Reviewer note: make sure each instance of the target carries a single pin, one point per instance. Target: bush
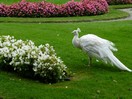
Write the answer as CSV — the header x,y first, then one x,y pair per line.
x,y
93,7
22,9
32,61
30,9
116,2
3,10
72,8
46,9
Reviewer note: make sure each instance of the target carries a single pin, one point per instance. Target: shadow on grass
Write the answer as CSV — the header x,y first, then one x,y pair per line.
x,y
104,67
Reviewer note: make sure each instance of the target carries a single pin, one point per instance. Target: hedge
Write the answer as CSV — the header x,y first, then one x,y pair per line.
x,y
46,9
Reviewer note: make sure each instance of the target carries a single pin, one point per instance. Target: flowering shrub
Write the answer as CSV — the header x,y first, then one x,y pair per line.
x,y
112,2
46,9
22,9
93,7
26,58
29,9
72,8
3,10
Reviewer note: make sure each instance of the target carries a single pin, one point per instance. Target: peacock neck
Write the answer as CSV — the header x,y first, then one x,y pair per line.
x,y
76,41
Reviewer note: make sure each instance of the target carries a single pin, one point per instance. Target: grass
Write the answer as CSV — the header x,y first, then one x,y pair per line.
x,y
97,82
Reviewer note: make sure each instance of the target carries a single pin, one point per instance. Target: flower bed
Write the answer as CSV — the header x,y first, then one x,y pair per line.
x,y
29,60
46,9
116,2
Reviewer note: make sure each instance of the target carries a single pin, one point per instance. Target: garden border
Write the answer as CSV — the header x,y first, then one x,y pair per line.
x,y
124,10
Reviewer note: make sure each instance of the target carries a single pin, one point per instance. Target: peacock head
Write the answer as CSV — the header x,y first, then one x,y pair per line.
x,y
75,32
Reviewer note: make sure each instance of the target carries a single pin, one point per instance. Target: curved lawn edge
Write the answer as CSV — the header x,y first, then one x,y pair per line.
x,y
114,13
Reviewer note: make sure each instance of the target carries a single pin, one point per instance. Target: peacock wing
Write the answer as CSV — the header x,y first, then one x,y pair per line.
x,y
96,46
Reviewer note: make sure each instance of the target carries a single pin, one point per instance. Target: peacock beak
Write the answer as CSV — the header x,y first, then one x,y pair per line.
x,y
73,32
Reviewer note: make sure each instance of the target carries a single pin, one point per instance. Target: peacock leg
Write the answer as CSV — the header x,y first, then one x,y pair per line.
x,y
90,61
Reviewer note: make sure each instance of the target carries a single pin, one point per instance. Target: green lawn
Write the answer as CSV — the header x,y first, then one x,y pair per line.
x,y
98,82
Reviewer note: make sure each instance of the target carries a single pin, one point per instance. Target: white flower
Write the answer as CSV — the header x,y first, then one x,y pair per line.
x,y
6,43
35,69
27,63
26,47
13,40
33,52
45,57
35,64
50,68
14,54
40,46
6,50
17,63
47,45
